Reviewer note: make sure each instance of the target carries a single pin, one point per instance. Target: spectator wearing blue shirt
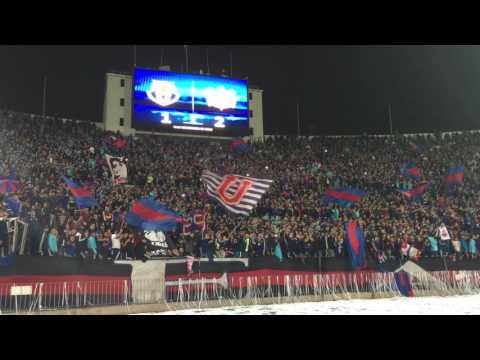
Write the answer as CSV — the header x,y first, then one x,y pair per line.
x,y
53,242
92,245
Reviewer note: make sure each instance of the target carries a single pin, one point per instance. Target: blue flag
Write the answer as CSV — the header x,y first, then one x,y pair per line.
x,y
355,245
150,215
83,197
345,197
404,283
13,204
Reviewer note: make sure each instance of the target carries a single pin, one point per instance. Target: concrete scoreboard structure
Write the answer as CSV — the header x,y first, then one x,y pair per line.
x,y
117,108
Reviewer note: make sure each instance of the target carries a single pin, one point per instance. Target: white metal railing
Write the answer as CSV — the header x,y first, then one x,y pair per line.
x,y
36,297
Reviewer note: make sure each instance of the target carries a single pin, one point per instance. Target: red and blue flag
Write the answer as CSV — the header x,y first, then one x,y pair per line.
x,y
355,245
404,283
8,186
345,197
411,170
238,146
455,175
83,196
416,191
150,215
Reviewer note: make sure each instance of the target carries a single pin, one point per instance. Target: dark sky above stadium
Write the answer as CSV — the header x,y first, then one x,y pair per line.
x,y
342,89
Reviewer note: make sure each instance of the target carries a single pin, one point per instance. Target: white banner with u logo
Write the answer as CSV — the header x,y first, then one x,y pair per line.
x,y
238,194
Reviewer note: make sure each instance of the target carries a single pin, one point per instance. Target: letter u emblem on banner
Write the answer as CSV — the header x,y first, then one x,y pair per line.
x,y
228,181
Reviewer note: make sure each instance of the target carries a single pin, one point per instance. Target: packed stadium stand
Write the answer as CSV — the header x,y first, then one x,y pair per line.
x,y
409,193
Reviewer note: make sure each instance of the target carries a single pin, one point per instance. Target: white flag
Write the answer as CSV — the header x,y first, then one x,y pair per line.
x,y
118,169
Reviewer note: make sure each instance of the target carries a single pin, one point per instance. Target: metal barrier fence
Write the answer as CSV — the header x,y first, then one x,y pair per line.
x,y
34,298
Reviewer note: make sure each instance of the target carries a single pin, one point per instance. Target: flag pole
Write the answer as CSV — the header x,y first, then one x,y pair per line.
x,y
390,118
186,58
298,117
208,63
134,56
44,97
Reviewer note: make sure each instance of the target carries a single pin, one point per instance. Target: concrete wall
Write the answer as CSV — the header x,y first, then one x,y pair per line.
x,y
113,112
256,110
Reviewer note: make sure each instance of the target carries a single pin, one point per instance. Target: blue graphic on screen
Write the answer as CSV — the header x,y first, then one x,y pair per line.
x,y
189,102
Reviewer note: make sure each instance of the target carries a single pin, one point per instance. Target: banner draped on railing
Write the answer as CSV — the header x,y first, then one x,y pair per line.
x,y
233,288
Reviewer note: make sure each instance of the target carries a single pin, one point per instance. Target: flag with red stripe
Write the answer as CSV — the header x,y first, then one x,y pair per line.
x,y
411,170
344,197
416,192
455,175
83,196
355,242
8,186
150,215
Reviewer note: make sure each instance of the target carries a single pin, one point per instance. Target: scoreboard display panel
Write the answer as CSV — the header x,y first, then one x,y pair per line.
x,y
170,102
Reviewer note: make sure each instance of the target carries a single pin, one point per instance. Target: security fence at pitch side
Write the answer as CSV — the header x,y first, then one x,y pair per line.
x,y
34,298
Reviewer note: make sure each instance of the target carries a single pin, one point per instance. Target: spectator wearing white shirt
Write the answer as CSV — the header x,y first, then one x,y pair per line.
x,y
116,245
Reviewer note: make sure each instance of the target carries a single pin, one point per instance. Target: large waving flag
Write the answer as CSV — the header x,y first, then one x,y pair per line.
x,y
355,245
412,171
416,192
83,197
344,197
238,146
455,175
404,283
150,215
238,194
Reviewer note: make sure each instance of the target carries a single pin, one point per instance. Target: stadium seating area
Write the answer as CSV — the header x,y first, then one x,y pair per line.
x,y
292,213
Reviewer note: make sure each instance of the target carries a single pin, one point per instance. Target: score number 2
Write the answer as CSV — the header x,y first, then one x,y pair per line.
x,y
219,122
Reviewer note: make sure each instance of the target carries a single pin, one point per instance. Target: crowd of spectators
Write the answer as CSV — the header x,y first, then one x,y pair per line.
x,y
292,213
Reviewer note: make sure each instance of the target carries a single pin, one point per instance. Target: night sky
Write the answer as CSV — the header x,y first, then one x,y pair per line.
x,y
342,89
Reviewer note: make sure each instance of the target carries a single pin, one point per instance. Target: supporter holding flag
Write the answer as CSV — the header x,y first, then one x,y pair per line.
x,y
345,197
84,198
411,170
150,215
355,245
455,175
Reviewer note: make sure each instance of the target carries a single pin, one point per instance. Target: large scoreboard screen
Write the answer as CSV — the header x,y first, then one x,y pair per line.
x,y
192,104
